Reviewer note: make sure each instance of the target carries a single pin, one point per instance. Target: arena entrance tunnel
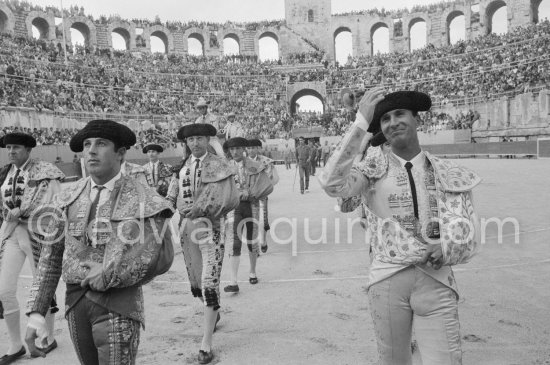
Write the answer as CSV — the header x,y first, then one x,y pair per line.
x,y
305,92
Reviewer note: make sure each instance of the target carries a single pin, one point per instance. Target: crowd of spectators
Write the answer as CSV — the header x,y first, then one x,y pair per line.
x,y
397,13
431,122
483,68
33,74
43,136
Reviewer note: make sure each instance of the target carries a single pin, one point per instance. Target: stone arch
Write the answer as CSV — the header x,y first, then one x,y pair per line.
x,y
84,26
234,34
267,32
340,29
159,31
373,29
336,30
126,30
534,9
415,20
44,22
7,20
304,92
490,10
198,33
448,20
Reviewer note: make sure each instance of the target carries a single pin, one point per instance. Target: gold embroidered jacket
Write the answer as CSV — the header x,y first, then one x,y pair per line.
x,y
164,176
395,237
253,179
135,226
135,171
216,193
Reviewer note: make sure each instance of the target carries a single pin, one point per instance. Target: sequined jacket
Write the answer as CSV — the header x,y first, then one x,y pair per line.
x,y
128,249
269,168
43,184
256,180
135,171
163,178
216,194
395,240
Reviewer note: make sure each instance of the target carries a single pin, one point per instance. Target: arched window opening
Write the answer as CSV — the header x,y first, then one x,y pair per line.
x,y
457,29
541,11
499,21
157,44
118,42
195,46
418,36
77,38
230,46
269,48
309,105
343,46
381,40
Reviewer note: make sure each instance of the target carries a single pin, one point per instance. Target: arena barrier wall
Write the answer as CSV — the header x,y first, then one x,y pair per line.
x,y
489,149
173,156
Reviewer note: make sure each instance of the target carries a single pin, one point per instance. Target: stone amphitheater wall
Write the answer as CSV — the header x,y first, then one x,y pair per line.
x,y
308,25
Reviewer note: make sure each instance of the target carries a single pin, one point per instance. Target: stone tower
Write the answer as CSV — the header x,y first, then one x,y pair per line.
x,y
310,19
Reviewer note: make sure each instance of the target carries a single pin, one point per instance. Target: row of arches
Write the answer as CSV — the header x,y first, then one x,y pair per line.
x,y
381,33
120,40
83,33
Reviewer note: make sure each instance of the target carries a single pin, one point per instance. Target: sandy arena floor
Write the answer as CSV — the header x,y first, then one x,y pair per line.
x,y
311,308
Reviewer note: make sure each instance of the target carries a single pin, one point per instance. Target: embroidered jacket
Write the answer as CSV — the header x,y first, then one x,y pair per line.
x,y
135,171
269,168
134,227
395,235
41,185
163,175
253,178
216,192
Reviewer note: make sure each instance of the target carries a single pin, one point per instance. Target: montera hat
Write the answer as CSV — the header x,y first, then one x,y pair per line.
x,y
197,129
119,134
411,100
237,142
153,147
19,138
202,102
254,143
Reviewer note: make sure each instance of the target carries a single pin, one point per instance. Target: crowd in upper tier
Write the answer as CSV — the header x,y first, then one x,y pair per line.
x,y
33,75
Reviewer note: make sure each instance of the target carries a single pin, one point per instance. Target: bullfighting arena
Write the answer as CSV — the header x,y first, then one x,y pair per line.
x,y
310,306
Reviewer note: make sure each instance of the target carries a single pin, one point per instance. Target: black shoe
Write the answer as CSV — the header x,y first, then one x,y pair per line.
x,y
8,359
52,346
205,357
264,248
253,281
301,191
231,289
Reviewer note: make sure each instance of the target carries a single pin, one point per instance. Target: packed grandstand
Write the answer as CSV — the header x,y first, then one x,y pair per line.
x,y
163,88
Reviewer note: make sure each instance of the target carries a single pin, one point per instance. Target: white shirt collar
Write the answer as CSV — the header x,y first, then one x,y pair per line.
x,y
23,167
193,158
109,185
417,161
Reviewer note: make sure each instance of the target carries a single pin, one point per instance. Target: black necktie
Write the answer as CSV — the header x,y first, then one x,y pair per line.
x,y
93,209
14,188
409,166
196,176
